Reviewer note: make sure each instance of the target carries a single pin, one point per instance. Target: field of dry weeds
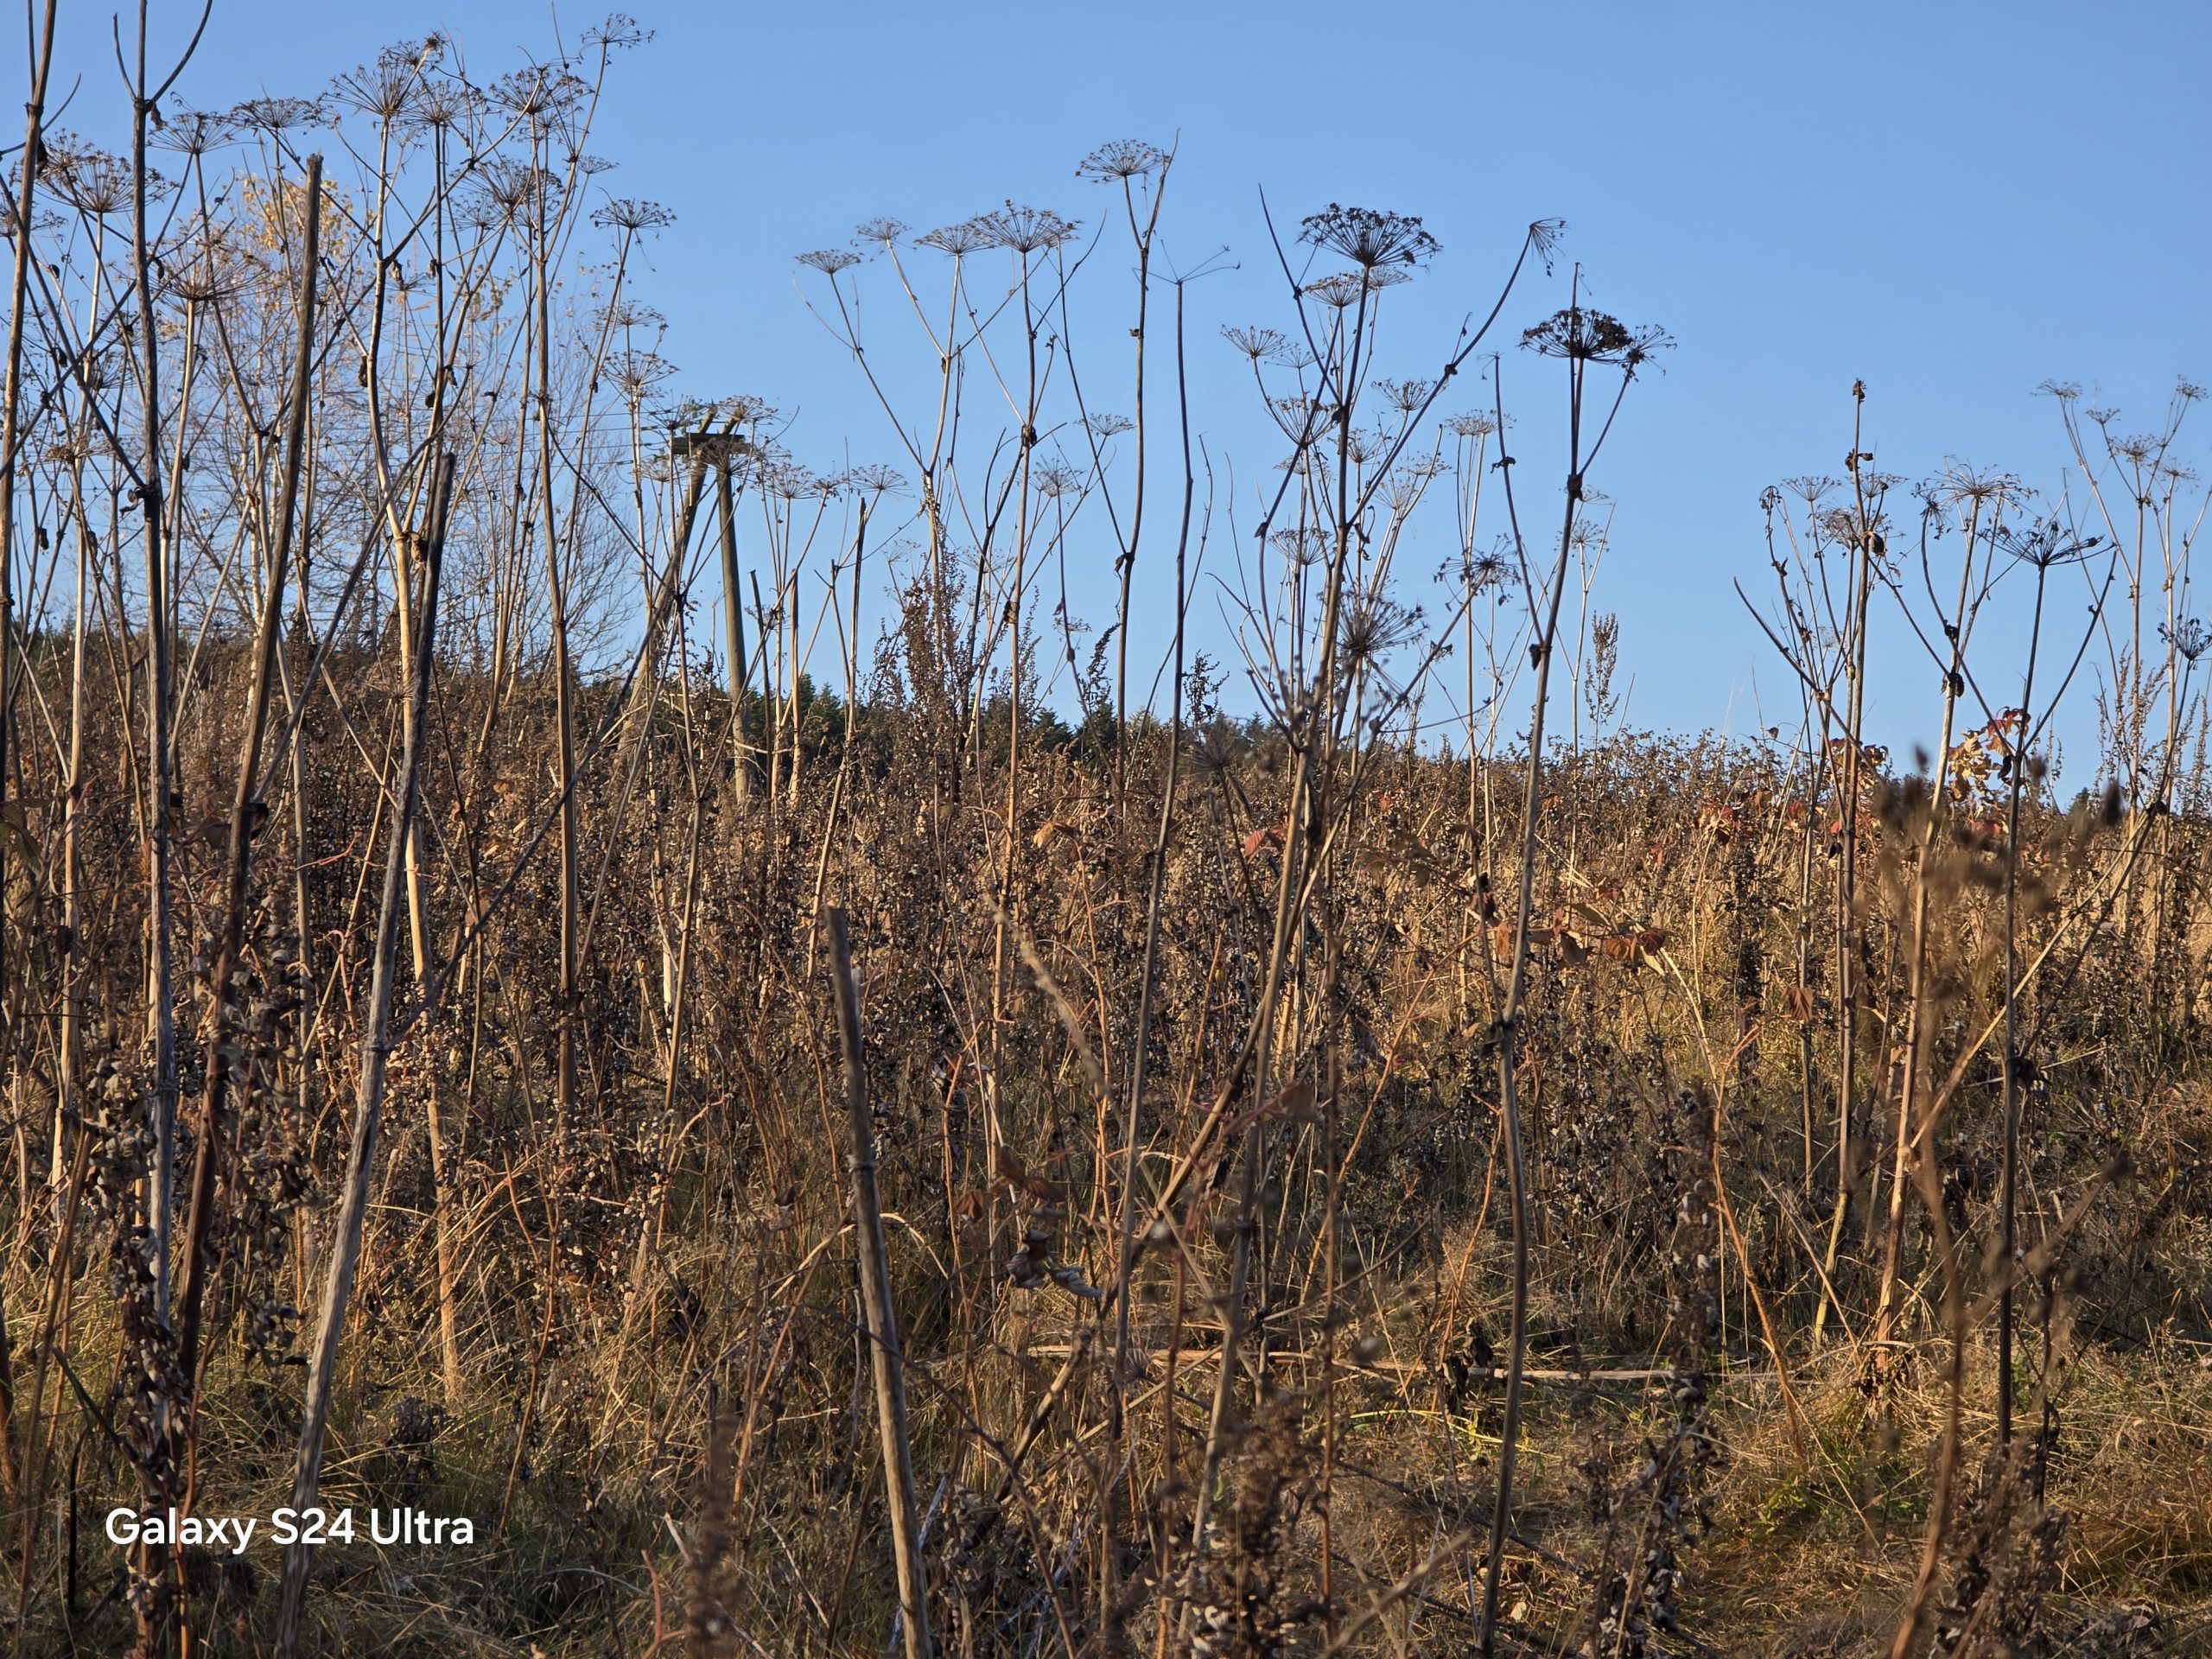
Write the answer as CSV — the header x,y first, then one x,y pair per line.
x,y
561,969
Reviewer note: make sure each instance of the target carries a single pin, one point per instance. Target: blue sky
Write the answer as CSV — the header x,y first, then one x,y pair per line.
x,y
1955,203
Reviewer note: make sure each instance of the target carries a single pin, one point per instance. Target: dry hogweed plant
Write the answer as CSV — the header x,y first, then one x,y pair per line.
x,y
567,964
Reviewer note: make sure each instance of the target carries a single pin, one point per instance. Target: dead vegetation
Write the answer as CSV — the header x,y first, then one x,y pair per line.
x,y
953,1154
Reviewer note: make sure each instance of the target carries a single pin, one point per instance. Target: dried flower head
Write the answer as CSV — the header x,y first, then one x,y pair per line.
x,y
448,103
1053,480
1256,343
1368,237
2045,544
616,30
1471,424
1410,482
1581,335
1342,289
390,90
626,313
204,285
1103,425
1026,230
1484,570
85,176
873,479
830,261
1123,159
194,132
639,373
275,115
882,232
1545,235
1961,483
631,214
507,189
968,235
2189,636
778,474
1839,524
1373,626
539,91
1586,532
1405,396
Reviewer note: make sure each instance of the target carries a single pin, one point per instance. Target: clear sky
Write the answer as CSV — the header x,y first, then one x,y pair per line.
x,y
1954,202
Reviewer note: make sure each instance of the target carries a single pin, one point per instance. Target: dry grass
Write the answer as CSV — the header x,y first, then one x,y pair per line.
x,y
1288,991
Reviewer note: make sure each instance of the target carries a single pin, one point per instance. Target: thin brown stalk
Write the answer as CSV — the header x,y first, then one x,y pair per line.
x,y
368,1100
882,1324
